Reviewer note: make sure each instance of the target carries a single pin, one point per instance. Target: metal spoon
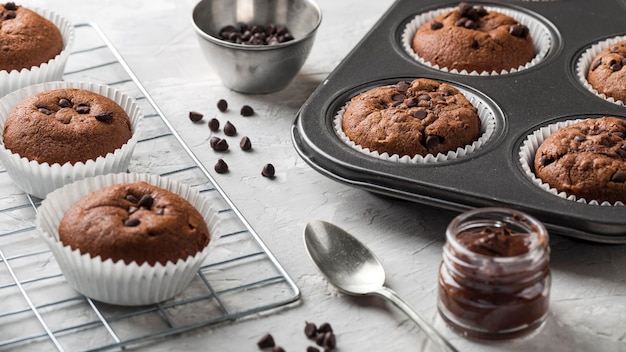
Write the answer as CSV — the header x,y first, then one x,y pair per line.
x,y
355,270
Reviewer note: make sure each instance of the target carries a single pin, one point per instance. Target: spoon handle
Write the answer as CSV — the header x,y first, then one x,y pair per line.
x,y
437,338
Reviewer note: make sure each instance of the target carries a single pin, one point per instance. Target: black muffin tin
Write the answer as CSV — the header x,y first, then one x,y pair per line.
x,y
526,101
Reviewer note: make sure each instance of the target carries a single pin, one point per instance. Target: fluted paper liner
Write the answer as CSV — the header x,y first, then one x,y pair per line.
x,y
487,127
586,59
39,179
47,71
539,33
527,161
116,282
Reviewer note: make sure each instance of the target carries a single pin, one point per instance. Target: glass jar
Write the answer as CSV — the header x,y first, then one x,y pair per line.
x,y
494,279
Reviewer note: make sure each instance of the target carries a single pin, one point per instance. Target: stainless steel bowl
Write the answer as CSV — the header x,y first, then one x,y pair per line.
x,y
256,69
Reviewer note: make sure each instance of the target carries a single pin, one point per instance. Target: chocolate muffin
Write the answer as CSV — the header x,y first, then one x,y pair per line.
x,y
607,73
586,159
411,118
473,39
134,222
27,39
66,125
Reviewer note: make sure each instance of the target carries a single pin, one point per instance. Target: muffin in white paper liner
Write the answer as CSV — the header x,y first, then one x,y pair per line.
x,y
39,179
542,39
527,153
116,282
586,59
47,71
487,127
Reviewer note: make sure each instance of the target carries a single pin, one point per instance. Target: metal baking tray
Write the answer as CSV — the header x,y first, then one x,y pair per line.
x,y
525,100
39,310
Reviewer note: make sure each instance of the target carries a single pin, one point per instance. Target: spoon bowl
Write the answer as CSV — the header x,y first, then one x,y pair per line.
x,y
351,267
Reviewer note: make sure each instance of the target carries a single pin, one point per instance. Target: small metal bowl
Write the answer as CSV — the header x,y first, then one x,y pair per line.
x,y
256,69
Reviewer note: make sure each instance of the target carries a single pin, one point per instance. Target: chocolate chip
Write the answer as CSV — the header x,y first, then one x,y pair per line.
x,y
131,198
312,349
131,222
64,103
221,166
214,124
132,209
616,66
596,64
470,24
330,342
325,327
160,211
319,339
195,116
10,6
474,44
432,141
420,114
579,138
435,25
268,171
464,8
402,86
9,15
518,30
310,330
545,160
425,97
213,141
146,201
222,105
82,109
398,97
221,145
229,129
246,110
411,102
245,143
44,111
619,176
278,349
266,341
104,116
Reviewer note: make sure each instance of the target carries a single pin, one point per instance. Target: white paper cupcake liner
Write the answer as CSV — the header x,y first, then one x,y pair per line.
x,y
542,39
116,282
586,59
39,179
527,161
487,127
47,71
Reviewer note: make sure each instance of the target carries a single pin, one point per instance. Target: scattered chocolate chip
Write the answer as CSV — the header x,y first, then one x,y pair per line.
x,y
221,145
312,349
435,25
213,141
596,64
246,110
319,339
229,129
310,330
245,143
10,6
214,124
221,166
398,97
518,30
131,222
619,176
82,109
266,341
402,86
420,114
104,116
131,198
325,327
44,111
146,201
278,349
432,141
195,116
268,171
65,103
330,342
222,105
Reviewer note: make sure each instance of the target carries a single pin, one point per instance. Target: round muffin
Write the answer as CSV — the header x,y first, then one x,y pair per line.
x,y
473,39
607,72
66,125
586,159
411,118
134,222
27,39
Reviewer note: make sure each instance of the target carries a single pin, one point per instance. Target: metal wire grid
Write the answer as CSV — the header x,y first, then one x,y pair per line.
x,y
39,311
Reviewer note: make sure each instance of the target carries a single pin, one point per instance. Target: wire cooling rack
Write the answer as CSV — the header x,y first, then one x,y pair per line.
x,y
40,312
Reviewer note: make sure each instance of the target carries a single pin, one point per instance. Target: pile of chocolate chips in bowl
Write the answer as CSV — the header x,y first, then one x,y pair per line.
x,y
249,34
